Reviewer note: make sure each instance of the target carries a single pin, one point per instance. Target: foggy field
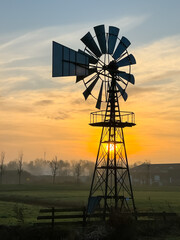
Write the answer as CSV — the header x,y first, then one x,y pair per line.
x,y
30,198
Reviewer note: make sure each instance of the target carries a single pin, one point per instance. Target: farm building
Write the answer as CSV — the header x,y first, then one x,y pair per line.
x,y
156,174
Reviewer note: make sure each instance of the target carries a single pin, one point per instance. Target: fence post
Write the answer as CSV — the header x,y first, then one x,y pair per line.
x,y
52,217
84,216
164,216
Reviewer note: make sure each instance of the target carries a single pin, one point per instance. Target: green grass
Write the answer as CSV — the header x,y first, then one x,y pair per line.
x,y
31,198
45,195
8,215
162,200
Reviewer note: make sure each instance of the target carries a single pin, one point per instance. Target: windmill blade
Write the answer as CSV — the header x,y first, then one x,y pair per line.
x,y
91,44
79,78
90,71
129,60
122,91
88,91
98,104
92,59
127,76
113,34
101,37
122,46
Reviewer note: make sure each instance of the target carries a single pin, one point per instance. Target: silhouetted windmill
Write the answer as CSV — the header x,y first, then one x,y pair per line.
x,y
105,68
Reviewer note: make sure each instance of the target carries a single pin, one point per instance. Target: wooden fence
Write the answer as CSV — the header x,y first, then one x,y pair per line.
x,y
62,216
79,216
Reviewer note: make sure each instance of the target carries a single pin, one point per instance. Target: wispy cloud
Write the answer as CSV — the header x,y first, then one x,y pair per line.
x,y
37,43
44,102
31,98
158,60
130,22
25,62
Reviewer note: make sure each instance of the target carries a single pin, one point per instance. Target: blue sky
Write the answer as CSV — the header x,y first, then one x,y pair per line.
x,y
159,18
39,113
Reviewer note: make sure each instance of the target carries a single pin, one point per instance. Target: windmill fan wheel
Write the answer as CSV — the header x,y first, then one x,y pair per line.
x,y
108,59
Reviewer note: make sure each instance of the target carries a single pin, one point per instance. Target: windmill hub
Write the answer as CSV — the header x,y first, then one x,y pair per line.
x,y
112,67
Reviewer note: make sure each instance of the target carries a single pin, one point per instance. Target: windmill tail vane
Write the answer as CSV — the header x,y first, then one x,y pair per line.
x,y
104,66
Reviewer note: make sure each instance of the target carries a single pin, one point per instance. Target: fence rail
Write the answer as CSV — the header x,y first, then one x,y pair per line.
x,y
65,216
79,216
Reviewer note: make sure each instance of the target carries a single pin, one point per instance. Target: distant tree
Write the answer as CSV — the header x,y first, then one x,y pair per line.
x,y
29,166
20,169
135,164
41,166
54,167
77,169
87,167
2,166
44,156
63,168
38,166
12,165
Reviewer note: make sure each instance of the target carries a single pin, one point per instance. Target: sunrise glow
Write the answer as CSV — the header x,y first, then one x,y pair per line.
x,y
44,114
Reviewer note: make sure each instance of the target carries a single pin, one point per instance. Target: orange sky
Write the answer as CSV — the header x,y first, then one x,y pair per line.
x,y
44,114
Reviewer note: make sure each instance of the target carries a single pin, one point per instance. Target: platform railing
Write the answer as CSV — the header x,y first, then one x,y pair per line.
x,y
99,116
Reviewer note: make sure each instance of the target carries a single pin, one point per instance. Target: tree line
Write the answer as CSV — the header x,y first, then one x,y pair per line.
x,y
38,167
54,167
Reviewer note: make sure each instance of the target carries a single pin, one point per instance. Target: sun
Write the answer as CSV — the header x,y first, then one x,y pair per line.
x,y
111,147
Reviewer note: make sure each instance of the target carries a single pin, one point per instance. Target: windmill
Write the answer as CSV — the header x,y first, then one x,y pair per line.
x,y
104,66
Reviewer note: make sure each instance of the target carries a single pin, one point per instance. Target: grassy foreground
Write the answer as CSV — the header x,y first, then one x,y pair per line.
x,y
22,202
20,205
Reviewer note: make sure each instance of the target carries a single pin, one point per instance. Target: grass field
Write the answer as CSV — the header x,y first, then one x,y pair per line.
x,y
22,202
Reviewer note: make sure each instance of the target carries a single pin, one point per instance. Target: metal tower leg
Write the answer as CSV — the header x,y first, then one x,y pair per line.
x,y
111,184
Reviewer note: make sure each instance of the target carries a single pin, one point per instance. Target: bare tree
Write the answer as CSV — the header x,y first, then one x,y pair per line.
x,y
54,167
77,169
20,169
2,166
44,156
